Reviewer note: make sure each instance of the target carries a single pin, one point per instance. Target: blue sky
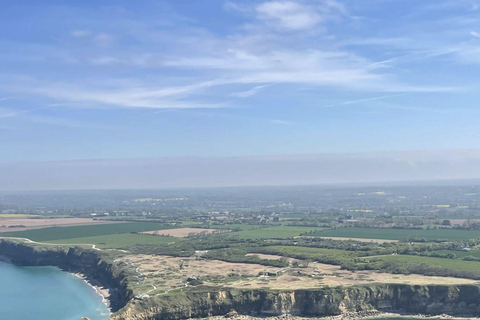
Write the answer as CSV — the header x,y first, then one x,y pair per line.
x,y
136,79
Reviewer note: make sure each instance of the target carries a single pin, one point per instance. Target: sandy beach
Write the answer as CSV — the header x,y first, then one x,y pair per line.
x,y
102,291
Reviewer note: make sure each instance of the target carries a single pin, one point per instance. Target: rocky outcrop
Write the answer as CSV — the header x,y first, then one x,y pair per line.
x,y
432,300
77,260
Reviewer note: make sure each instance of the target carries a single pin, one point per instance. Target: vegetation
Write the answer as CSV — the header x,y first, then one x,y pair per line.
x,y
419,235
275,232
330,256
240,256
119,241
423,265
63,233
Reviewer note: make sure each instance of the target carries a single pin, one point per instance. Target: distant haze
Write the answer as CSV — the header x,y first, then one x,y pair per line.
x,y
241,171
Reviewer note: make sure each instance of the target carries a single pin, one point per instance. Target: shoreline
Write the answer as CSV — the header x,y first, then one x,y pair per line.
x,y
103,292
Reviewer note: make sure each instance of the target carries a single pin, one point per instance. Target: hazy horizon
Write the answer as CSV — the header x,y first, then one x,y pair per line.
x,y
198,172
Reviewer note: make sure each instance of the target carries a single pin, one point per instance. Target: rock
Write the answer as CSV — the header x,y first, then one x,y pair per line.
x,y
231,314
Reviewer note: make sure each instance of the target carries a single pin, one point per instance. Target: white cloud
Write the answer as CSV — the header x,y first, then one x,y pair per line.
x,y
100,38
104,39
282,122
475,34
232,6
80,33
127,97
288,15
249,93
107,60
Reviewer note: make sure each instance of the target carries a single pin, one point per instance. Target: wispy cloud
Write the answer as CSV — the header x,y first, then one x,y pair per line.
x,y
71,123
288,15
282,122
209,66
475,34
249,93
349,102
9,113
127,97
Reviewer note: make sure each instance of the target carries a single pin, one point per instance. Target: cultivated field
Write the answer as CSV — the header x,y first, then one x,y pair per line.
x,y
78,234
10,224
272,232
399,234
118,241
17,215
184,232
359,239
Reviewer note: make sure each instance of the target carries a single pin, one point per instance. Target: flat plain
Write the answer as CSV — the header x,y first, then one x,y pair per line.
x,y
399,234
12,223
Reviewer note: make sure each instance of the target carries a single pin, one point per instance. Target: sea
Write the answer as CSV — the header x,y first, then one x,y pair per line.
x,y
47,293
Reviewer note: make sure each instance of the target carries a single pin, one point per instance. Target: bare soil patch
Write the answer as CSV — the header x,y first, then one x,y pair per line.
x,y
165,273
268,256
184,232
21,224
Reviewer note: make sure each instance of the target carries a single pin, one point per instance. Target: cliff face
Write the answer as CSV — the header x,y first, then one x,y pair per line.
x,y
433,300
77,260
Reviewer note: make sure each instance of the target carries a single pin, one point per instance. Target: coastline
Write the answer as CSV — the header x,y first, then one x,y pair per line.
x,y
103,292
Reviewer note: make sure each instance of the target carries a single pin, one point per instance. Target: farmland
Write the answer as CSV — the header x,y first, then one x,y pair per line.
x,y
63,233
306,253
18,222
400,234
271,232
453,264
122,240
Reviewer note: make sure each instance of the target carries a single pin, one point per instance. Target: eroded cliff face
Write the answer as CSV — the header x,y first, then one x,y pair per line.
x,y
432,300
77,260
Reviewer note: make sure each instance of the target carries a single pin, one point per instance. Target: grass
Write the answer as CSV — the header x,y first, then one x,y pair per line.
x,y
63,233
309,253
400,234
17,215
444,263
271,232
119,240
461,254
234,226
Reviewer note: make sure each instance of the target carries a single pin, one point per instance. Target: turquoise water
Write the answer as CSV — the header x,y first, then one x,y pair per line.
x,y
46,293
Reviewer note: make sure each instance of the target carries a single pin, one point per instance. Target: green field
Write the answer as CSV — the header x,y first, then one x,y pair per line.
x,y
460,254
454,264
400,234
232,226
271,232
124,240
62,233
310,253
